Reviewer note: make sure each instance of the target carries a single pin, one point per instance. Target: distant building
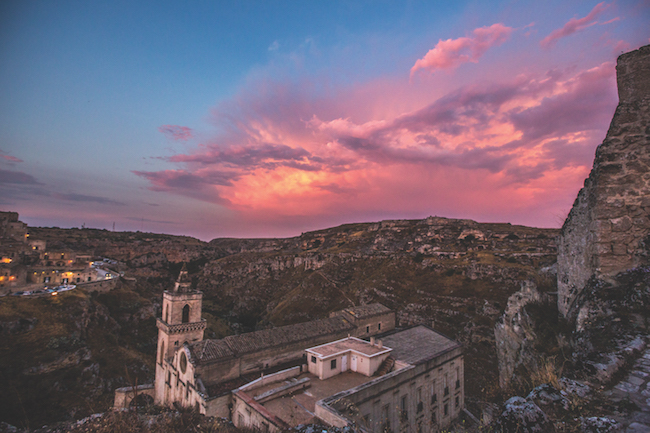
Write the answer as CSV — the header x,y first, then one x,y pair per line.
x,y
409,381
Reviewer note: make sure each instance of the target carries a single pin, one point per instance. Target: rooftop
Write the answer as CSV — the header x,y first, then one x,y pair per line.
x,y
418,344
299,407
346,344
212,350
365,311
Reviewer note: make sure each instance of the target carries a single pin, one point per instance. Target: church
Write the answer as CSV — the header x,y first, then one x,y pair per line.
x,y
354,367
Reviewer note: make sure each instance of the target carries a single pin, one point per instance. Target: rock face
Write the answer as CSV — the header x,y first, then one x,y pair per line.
x,y
608,228
514,334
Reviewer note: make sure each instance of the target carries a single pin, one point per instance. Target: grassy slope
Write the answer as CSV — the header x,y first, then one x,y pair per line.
x,y
80,349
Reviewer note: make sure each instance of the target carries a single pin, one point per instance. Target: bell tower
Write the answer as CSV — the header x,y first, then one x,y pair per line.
x,y
180,322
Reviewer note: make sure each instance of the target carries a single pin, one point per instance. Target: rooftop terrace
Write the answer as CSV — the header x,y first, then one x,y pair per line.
x,y
347,344
298,408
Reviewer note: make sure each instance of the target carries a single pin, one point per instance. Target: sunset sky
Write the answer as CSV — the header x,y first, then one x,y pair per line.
x,y
271,118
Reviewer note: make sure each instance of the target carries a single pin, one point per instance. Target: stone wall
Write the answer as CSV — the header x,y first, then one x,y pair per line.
x,y
608,228
424,397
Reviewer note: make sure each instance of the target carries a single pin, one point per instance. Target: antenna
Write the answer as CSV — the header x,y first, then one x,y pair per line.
x,y
113,225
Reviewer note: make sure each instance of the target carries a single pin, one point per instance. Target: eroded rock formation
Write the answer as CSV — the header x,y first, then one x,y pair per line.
x,y
607,230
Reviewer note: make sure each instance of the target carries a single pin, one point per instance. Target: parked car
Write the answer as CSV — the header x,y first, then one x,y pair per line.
x,y
38,292
17,293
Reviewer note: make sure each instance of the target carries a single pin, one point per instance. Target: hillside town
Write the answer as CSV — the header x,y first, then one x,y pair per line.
x,y
29,267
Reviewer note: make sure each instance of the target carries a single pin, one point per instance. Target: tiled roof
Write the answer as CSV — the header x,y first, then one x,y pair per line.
x,y
210,349
363,311
418,344
234,345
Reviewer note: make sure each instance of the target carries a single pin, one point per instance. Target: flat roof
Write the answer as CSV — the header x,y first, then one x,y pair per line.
x,y
346,344
418,344
299,407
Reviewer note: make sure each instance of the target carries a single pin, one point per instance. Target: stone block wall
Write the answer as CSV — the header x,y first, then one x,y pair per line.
x,y
423,397
608,228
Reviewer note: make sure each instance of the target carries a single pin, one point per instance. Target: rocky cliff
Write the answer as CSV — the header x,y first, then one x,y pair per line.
x,y
607,230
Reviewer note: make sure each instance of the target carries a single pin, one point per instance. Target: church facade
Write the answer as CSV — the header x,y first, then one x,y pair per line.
x,y
413,380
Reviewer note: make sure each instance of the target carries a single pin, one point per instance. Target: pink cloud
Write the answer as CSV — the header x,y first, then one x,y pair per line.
x,y
285,154
9,157
451,53
175,132
575,25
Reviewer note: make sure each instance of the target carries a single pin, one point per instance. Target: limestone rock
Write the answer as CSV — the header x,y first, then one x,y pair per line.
x,y
608,228
599,424
514,334
548,397
523,416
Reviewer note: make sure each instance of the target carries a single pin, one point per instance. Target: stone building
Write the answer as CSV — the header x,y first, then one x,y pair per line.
x,y
406,380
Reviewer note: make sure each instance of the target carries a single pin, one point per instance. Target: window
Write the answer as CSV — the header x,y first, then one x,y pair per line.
x,y
434,418
446,409
379,326
457,403
385,419
368,329
313,359
169,378
186,314
446,391
333,364
183,362
162,352
434,399
420,405
404,414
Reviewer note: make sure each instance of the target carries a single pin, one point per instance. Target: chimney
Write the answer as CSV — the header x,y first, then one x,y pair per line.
x,y
372,341
380,344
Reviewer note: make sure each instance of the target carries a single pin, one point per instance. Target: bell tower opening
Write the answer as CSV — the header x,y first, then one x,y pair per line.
x,y
186,314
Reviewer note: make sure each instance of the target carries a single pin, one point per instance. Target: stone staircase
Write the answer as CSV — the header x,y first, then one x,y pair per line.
x,y
636,388
385,366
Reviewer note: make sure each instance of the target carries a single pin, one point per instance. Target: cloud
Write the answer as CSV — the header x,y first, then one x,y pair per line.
x,y
246,156
275,45
451,53
175,132
575,25
9,157
17,177
85,198
287,151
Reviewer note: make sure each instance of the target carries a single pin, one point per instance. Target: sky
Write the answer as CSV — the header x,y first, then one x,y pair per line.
x,y
272,118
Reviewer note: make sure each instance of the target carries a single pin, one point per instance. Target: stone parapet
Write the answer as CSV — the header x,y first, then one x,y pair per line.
x,y
181,327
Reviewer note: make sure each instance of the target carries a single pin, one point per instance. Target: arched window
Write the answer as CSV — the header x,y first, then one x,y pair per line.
x,y
186,314
162,351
